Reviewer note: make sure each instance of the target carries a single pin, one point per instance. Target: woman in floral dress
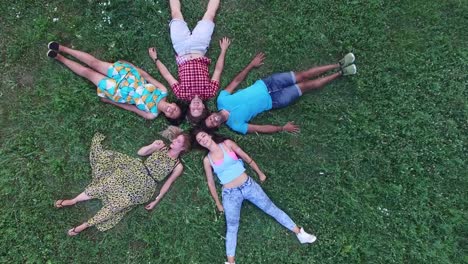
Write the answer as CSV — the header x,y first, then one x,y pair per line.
x,y
120,83
121,181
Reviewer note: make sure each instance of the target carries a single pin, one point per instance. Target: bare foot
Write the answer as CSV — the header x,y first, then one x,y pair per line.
x,y
63,203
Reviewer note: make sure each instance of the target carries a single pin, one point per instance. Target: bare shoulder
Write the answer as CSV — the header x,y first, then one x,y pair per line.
x,y
230,144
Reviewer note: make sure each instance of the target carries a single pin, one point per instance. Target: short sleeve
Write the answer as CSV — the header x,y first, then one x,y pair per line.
x,y
241,128
214,86
176,89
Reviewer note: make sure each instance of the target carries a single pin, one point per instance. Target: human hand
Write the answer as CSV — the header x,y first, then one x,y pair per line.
x,y
220,207
291,127
159,144
262,177
224,43
153,53
151,205
257,61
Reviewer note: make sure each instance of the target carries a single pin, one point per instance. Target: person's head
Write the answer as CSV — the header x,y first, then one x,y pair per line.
x,y
175,113
203,137
214,120
197,111
181,142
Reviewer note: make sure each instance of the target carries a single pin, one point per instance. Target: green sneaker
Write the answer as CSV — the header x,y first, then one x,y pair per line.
x,y
350,70
348,59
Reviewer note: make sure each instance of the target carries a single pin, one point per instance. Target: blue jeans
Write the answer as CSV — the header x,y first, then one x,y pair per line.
x,y
232,202
282,88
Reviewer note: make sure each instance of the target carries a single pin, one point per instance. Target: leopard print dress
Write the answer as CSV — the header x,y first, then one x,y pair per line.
x,y
121,181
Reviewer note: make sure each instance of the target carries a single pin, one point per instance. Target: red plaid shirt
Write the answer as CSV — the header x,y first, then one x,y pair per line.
x,y
194,79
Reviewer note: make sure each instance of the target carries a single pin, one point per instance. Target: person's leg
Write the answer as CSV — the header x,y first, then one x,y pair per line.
x,y
79,198
176,12
314,72
211,9
93,76
179,31
90,60
232,203
317,83
255,194
202,32
282,88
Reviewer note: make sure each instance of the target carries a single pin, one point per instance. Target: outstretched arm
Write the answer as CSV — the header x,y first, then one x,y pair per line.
x,y
147,150
241,153
172,178
256,62
131,108
224,44
269,129
161,67
211,183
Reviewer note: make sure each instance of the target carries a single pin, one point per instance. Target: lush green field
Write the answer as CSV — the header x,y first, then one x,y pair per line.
x,y
378,172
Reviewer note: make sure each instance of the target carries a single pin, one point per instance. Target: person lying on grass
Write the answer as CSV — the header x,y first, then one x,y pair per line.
x,y
121,182
121,84
275,91
224,158
194,84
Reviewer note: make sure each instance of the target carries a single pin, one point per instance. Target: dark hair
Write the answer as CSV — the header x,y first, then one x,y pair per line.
x,y
196,120
203,125
217,138
183,111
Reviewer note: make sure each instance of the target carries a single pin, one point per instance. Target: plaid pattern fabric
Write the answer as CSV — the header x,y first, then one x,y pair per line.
x,y
194,79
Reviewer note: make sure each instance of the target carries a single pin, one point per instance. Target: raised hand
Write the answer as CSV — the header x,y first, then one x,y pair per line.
x,y
159,144
153,53
224,43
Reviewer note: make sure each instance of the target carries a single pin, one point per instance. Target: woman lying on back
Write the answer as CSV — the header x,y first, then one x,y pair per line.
x,y
224,158
121,84
121,182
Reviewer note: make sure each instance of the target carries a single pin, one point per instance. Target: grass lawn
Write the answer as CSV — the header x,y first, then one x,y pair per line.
x,y
378,172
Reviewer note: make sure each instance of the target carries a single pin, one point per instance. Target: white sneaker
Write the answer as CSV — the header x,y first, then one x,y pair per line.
x,y
347,60
305,237
350,70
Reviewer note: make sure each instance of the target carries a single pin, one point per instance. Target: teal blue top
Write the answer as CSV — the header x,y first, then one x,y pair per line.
x,y
244,105
229,168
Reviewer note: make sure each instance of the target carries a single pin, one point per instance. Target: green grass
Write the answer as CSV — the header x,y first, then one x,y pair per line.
x,y
378,172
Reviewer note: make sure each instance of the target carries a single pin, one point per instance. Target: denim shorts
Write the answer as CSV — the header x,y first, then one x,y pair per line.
x,y
197,41
282,88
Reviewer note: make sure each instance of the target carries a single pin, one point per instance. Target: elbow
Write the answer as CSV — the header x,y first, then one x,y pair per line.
x,y
150,116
